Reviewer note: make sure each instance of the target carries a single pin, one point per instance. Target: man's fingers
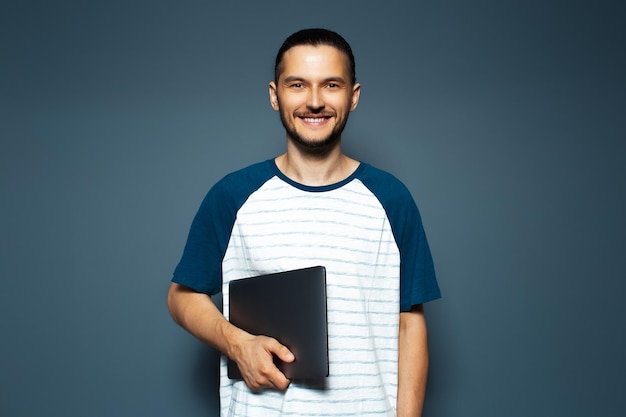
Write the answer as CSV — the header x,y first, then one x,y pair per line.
x,y
267,376
273,374
283,353
257,366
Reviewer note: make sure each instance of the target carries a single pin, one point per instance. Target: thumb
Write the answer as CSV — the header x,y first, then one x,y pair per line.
x,y
283,353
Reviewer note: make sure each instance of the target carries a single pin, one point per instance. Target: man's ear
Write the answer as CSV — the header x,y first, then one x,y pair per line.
x,y
273,95
356,93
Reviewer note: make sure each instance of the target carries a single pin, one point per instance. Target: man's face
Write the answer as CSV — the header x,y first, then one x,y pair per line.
x,y
314,95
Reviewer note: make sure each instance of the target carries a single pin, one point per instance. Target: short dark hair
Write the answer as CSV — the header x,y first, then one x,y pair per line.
x,y
315,37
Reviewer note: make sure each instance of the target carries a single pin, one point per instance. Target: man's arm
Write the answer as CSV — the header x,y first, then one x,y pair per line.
x,y
412,363
197,313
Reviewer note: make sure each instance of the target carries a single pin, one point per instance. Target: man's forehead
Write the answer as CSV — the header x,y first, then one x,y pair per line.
x,y
310,56
299,51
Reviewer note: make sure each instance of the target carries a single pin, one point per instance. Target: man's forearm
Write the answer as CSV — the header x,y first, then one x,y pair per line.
x,y
197,313
412,363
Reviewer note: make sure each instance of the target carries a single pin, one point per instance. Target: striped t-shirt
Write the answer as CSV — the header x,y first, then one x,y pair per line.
x,y
366,230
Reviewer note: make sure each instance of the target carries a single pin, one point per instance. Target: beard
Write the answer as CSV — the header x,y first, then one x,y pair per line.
x,y
314,146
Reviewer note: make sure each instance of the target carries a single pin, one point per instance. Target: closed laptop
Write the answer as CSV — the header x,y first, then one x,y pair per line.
x,y
289,306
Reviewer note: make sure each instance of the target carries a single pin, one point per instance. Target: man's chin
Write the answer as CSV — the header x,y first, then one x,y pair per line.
x,y
316,146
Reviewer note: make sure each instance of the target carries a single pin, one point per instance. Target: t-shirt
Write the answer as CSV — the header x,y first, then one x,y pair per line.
x,y
365,230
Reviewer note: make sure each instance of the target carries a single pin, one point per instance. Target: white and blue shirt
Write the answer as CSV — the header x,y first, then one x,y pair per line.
x,y
366,230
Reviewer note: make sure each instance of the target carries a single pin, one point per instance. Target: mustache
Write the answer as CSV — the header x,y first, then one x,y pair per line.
x,y
315,114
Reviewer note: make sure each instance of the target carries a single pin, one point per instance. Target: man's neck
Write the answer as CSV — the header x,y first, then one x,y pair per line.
x,y
316,170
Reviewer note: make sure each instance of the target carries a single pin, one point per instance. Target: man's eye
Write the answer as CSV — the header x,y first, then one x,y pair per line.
x,y
332,85
296,85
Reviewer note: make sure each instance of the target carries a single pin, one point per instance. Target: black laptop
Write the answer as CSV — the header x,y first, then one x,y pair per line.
x,y
289,306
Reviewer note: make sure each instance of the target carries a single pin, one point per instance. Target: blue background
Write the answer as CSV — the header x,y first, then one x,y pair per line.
x,y
506,119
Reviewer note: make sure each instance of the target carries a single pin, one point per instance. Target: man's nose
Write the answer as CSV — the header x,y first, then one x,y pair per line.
x,y
316,101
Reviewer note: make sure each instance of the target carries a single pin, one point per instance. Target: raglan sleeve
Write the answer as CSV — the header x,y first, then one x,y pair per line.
x,y
200,267
418,281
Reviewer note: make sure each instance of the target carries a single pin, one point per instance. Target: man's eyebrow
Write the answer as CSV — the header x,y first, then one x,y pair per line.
x,y
336,79
293,78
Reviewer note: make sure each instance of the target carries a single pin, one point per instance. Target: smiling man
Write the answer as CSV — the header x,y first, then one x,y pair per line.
x,y
316,90
314,205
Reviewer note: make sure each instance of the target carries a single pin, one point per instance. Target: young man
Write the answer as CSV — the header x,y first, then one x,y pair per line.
x,y
313,205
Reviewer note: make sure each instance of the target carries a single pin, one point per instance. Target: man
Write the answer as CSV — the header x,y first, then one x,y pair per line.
x,y
313,205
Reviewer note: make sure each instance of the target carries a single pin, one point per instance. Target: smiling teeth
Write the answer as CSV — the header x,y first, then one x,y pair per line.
x,y
314,119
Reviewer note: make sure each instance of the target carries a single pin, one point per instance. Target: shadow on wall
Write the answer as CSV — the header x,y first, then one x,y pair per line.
x,y
206,379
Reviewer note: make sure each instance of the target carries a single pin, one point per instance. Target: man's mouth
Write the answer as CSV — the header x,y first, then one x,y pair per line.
x,y
314,119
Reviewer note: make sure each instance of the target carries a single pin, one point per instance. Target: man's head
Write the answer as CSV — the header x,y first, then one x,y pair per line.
x,y
315,37
315,89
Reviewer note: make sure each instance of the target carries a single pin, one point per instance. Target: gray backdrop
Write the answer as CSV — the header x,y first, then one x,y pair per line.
x,y
506,119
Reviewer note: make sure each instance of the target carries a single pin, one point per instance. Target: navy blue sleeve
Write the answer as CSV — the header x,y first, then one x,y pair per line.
x,y
418,282
200,267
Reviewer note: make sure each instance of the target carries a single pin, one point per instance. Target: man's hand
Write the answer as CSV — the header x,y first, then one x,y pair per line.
x,y
198,314
254,357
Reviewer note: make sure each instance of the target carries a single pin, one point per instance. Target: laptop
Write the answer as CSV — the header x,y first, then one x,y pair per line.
x,y
289,306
